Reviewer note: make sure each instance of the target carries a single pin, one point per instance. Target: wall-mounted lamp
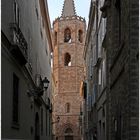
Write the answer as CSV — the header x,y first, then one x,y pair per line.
x,y
40,86
45,82
58,119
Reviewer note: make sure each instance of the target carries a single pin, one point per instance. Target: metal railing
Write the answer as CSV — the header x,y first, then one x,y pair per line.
x,y
18,39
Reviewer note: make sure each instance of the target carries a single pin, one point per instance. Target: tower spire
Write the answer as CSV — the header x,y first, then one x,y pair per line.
x,y
68,8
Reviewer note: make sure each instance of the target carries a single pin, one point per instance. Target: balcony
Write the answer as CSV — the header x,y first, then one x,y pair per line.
x,y
18,44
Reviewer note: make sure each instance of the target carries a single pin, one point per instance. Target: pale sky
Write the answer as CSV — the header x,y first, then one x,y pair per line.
x,y
81,6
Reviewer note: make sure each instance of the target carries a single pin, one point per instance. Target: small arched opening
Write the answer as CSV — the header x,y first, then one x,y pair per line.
x,y
55,38
68,134
67,59
67,35
80,36
67,107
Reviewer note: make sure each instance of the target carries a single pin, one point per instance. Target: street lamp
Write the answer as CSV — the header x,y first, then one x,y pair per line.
x,y
41,85
45,82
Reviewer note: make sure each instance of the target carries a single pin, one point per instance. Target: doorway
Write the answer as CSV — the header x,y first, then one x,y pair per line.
x,y
68,137
68,134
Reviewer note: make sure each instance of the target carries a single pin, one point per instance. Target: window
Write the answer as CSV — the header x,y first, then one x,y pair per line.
x,y
36,13
16,13
29,53
67,59
67,107
91,68
80,36
115,125
41,121
37,127
103,129
100,126
55,38
118,4
118,18
15,99
43,23
41,34
49,125
67,35
104,73
103,111
100,77
94,56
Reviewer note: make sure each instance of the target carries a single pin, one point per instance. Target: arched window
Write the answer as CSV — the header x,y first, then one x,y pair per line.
x,y
67,59
55,38
68,131
67,35
80,36
67,107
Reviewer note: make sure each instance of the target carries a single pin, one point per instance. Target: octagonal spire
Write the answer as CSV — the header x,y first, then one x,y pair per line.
x,y
68,8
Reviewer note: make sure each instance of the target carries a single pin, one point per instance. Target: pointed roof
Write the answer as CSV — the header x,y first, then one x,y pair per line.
x,y
68,8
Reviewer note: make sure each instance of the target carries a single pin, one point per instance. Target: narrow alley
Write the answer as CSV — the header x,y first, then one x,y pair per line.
x,y
72,68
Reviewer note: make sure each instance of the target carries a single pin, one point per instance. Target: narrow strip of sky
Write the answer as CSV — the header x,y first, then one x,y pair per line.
x,y
81,6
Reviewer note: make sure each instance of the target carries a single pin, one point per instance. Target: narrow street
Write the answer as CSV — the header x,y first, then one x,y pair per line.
x,y
72,70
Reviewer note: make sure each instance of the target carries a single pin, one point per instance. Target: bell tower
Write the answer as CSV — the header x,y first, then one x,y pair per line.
x,y
68,69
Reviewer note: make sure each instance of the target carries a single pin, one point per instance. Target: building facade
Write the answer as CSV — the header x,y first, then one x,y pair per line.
x,y
26,45
113,78
122,69
95,60
68,68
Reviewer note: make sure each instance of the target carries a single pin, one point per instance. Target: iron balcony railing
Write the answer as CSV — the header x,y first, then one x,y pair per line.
x,y
18,44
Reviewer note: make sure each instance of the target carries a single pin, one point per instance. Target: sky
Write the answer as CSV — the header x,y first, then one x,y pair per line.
x,y
81,6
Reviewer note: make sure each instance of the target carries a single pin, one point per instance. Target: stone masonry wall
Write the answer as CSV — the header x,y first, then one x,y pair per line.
x,y
122,59
68,78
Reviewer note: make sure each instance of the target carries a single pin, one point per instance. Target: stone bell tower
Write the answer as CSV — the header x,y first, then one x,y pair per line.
x,y
68,69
